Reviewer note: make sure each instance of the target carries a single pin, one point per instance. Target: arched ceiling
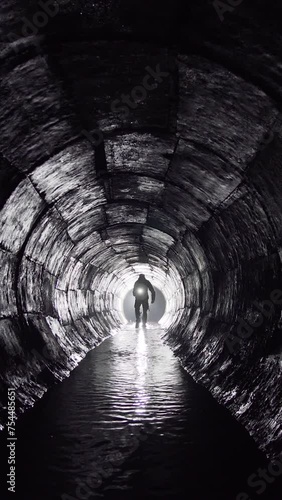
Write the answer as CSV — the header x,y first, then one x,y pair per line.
x,y
185,180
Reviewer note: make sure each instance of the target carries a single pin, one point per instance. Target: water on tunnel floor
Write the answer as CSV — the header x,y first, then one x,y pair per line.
x,y
130,423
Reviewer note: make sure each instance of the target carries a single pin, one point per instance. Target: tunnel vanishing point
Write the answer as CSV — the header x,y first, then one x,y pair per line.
x,y
183,185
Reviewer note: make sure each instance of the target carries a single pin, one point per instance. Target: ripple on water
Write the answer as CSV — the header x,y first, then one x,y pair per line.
x,y
131,418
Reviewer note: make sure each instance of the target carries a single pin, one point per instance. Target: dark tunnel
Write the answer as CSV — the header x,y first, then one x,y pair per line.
x,y
144,139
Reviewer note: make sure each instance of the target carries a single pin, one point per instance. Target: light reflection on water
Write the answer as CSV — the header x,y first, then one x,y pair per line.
x,y
131,403
147,371
140,381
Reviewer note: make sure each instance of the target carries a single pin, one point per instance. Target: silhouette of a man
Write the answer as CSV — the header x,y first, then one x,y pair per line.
x,y
140,292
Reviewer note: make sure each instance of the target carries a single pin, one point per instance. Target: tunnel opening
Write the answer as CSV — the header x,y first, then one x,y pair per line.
x,y
155,313
170,298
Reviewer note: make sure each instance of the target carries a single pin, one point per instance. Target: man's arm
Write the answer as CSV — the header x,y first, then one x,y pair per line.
x,y
151,288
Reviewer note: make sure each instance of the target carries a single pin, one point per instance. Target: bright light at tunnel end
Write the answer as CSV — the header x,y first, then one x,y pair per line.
x,y
169,282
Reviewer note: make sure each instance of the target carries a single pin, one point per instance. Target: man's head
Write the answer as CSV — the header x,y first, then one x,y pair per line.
x,y
141,277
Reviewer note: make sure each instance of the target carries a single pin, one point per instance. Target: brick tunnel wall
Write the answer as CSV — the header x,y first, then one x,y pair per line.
x,y
187,181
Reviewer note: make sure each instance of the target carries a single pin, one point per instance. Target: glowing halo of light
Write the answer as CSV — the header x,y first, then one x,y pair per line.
x,y
168,281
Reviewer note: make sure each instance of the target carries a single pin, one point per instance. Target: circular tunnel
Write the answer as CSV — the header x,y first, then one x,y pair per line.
x,y
121,154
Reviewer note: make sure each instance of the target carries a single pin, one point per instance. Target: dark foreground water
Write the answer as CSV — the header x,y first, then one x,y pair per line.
x,y
130,423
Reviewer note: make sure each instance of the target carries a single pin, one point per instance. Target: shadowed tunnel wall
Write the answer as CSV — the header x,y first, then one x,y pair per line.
x,y
186,186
